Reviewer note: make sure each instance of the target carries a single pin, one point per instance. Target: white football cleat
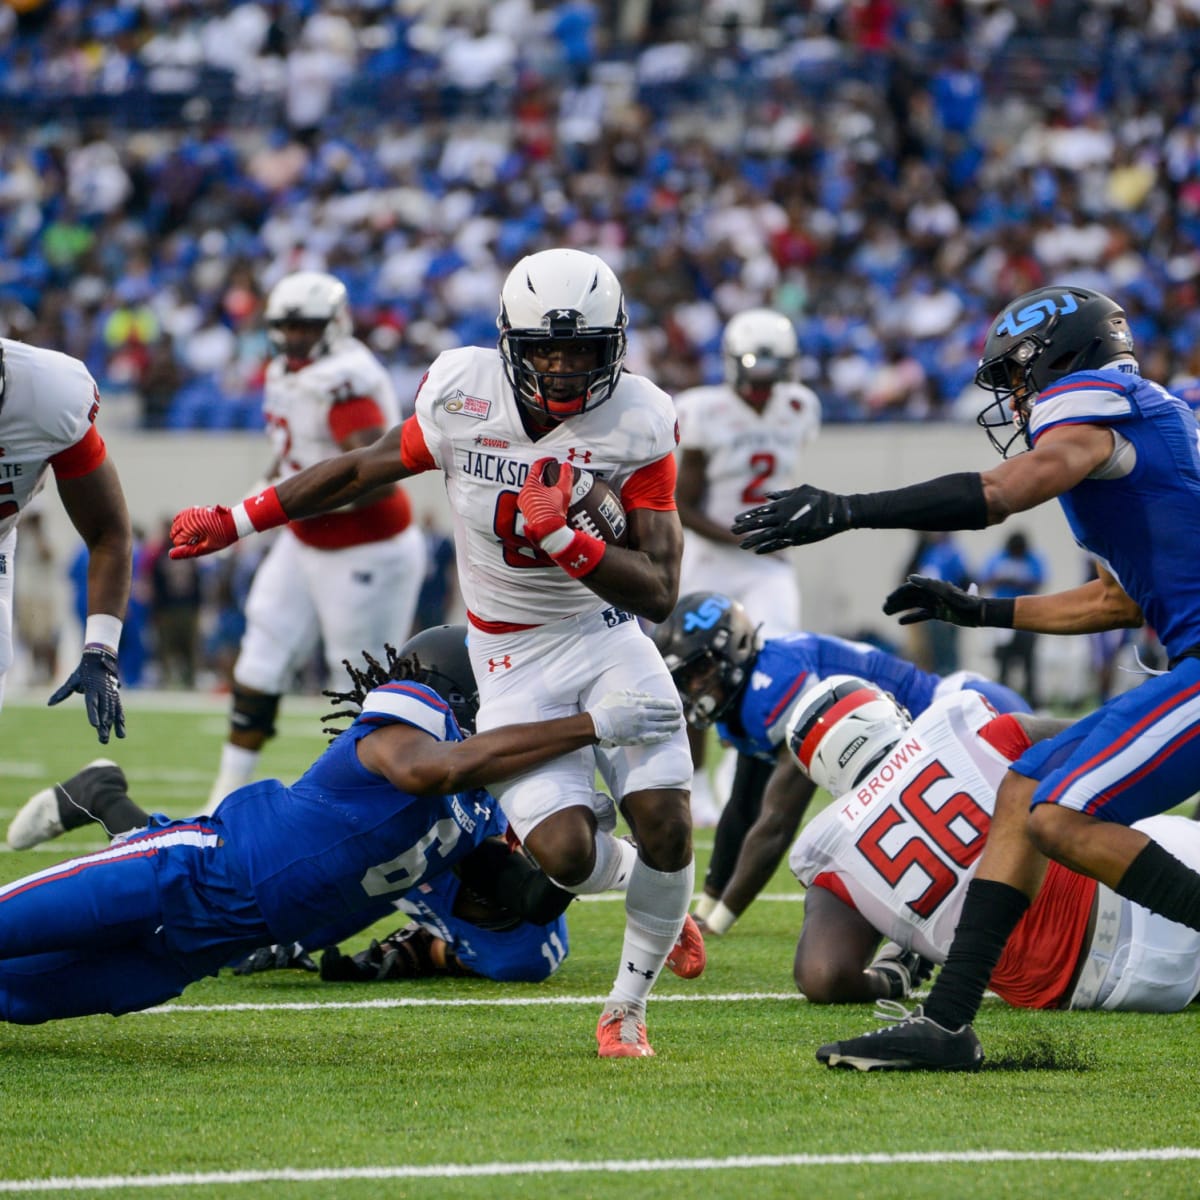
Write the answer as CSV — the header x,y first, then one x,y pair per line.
x,y
40,817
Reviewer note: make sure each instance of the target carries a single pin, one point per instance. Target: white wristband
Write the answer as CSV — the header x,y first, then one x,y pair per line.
x,y
557,540
721,919
241,519
102,630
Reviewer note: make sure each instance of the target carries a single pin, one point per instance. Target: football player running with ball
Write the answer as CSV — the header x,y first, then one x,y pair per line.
x,y
1121,456
552,610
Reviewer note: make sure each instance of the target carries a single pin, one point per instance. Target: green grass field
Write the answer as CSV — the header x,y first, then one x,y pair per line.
x,y
279,1085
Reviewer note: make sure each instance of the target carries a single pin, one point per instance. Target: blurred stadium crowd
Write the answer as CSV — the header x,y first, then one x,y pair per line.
x,y
887,173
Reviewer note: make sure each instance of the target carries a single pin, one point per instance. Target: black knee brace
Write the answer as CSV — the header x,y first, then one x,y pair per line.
x,y
253,712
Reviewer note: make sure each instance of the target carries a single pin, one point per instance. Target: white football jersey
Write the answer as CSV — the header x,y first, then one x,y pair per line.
x,y
749,453
906,840
297,404
49,403
472,428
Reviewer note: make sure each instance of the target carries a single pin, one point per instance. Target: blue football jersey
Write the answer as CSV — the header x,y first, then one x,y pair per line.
x,y
341,838
1140,521
787,667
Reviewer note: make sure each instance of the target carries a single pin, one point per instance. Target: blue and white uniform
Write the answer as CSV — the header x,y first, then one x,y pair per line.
x,y
787,667
523,953
1138,513
133,925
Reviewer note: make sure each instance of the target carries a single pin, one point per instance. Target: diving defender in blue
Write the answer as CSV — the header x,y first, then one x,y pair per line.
x,y
395,800
749,689
1120,454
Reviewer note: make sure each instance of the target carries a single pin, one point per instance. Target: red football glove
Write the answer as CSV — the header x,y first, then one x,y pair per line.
x,y
197,531
544,506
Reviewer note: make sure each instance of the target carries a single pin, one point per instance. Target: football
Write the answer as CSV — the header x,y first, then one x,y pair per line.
x,y
594,508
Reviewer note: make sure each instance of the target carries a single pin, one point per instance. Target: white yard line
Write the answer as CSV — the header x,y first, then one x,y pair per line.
x,y
756,1162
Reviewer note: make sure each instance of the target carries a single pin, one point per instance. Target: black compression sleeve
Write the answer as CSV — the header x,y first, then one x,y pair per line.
x,y
950,502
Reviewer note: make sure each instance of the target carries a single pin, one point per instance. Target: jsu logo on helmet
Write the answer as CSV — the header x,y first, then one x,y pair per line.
x,y
707,615
1016,323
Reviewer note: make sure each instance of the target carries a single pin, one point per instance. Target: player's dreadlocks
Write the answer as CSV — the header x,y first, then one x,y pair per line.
x,y
436,657
374,675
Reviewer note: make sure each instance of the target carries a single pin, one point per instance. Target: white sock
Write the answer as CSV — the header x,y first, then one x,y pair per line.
x,y
614,865
656,903
703,906
237,767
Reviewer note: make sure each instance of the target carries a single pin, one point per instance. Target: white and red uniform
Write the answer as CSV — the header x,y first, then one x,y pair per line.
x,y
47,420
543,644
747,455
350,577
902,847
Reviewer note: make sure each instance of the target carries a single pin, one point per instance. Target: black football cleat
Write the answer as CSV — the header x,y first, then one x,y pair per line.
x,y
913,1043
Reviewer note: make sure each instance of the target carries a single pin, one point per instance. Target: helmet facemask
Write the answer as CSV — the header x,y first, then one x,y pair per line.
x,y
1038,339
562,333
760,349
592,361
306,313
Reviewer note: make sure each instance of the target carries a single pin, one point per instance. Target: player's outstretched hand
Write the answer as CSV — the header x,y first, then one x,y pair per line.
x,y
793,518
629,718
96,677
544,505
922,598
197,531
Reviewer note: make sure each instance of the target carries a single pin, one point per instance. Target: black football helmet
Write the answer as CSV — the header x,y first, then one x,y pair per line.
x,y
1036,340
709,644
440,660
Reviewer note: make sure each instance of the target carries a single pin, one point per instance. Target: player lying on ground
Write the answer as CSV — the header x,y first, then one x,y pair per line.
x,y
713,651
396,799
893,856
463,921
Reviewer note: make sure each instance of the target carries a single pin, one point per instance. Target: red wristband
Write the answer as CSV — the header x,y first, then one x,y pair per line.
x,y
582,555
264,510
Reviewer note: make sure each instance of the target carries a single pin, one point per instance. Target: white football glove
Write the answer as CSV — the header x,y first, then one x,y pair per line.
x,y
629,718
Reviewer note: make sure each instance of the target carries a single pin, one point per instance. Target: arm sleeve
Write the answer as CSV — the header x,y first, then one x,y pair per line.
x,y
652,486
414,453
348,417
82,458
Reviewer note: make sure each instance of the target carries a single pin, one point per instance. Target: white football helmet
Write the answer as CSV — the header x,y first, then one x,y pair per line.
x,y
566,304
841,730
759,346
316,308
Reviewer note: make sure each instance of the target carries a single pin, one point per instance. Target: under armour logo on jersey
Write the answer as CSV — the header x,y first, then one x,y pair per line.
x,y
499,664
3,564
481,810
638,971
583,456
363,577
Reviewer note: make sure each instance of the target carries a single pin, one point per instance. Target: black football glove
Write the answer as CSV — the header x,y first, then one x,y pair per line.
x,y
404,954
793,518
926,599
276,958
96,677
